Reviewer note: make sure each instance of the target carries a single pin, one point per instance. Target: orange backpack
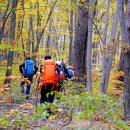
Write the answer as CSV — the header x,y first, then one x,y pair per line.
x,y
49,73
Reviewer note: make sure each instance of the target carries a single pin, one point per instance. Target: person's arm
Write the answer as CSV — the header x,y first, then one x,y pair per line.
x,y
42,69
21,68
35,69
65,69
58,69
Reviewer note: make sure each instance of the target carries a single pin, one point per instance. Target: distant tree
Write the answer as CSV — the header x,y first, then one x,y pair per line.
x,y
5,16
12,38
21,30
39,36
103,78
108,53
48,39
89,44
71,36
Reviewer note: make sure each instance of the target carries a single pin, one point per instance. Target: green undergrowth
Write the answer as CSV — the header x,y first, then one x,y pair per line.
x,y
85,106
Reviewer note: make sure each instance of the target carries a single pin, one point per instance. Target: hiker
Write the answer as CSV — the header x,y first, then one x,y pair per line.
x,y
65,70
68,73
48,80
71,70
28,69
63,73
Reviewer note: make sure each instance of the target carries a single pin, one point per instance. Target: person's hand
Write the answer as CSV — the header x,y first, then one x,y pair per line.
x,y
35,76
37,89
38,73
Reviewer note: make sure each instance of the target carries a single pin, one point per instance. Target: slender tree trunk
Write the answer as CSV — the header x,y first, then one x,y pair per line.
x,y
4,19
103,77
71,38
108,55
89,46
116,63
30,34
38,26
22,28
42,32
121,62
12,38
64,48
48,40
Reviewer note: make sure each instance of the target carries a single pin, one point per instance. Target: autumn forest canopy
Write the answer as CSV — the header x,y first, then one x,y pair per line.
x,y
93,36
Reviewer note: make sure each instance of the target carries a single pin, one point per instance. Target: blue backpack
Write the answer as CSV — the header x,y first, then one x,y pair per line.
x,y
70,73
29,67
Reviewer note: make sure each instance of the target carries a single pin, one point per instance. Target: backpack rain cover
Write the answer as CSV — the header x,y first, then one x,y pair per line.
x,y
29,67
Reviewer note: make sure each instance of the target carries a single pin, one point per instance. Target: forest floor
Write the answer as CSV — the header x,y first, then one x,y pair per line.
x,y
59,120
28,112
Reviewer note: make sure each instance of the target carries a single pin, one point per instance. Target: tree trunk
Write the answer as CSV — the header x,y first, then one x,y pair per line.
x,y
89,46
48,40
31,28
81,41
4,18
12,38
121,62
71,39
38,25
125,28
103,77
125,40
36,49
22,28
108,55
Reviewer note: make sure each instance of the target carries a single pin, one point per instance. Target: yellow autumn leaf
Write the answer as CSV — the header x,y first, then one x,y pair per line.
x,y
53,117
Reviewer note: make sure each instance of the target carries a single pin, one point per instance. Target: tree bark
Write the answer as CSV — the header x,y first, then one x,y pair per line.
x,y
48,40
12,38
125,28
103,77
89,45
108,55
36,49
124,38
22,23
81,41
4,18
31,28
71,38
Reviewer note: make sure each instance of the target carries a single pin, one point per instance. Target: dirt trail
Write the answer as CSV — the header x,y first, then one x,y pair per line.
x,y
57,120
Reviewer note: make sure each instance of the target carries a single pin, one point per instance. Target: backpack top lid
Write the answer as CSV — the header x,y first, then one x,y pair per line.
x,y
49,62
29,67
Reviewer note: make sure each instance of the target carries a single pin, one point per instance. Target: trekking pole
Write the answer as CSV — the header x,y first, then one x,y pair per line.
x,y
36,96
36,99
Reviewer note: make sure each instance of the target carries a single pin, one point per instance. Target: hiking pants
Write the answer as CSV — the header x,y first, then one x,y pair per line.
x,y
46,95
27,85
